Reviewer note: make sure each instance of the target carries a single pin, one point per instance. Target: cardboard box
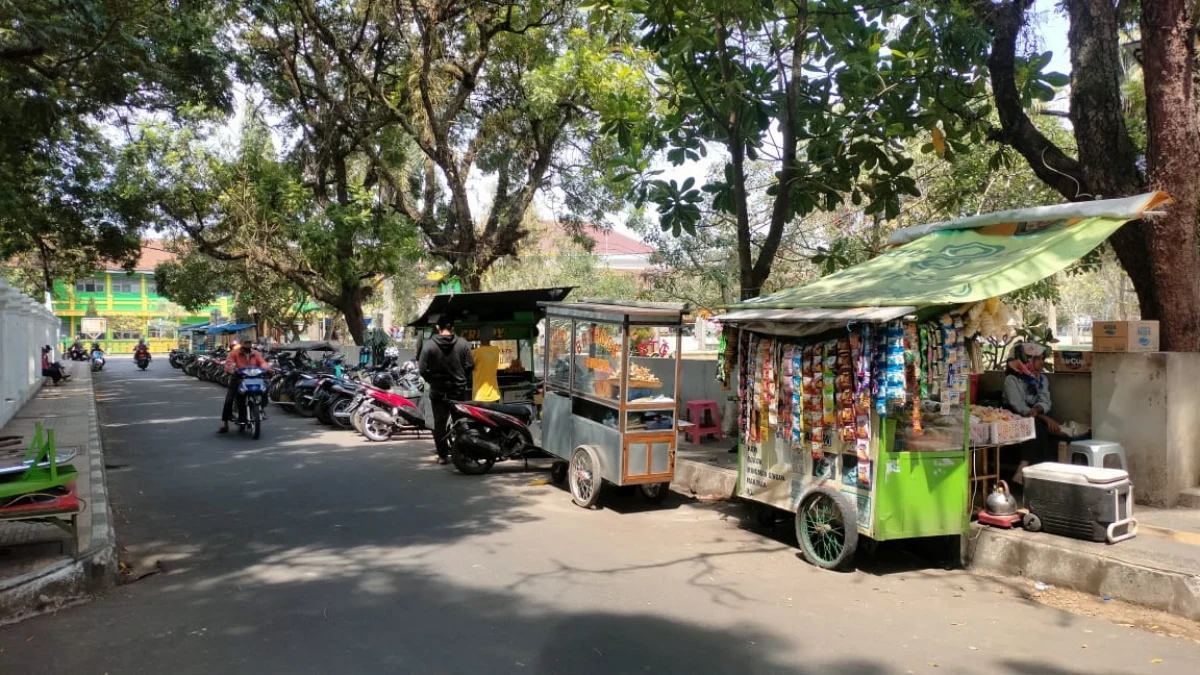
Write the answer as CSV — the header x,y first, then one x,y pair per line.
x,y
1125,336
1072,362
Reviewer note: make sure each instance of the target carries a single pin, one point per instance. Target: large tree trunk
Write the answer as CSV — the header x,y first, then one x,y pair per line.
x,y
350,305
1174,136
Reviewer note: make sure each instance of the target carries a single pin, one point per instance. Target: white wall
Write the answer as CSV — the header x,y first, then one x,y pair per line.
x,y
1150,404
25,325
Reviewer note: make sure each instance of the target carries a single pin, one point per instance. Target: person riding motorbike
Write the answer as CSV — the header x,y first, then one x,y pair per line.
x,y
141,350
241,356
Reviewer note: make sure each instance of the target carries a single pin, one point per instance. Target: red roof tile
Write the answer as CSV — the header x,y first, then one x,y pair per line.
x,y
607,242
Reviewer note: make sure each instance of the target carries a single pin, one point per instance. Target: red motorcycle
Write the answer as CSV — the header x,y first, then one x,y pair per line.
x,y
378,413
482,434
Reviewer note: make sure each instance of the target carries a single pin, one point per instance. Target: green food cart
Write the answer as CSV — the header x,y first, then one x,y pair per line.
x,y
854,391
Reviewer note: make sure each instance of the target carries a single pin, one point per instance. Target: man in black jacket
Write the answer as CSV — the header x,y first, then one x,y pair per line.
x,y
446,364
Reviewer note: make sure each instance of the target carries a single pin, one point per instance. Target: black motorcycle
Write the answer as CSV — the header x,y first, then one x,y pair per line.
x,y
482,434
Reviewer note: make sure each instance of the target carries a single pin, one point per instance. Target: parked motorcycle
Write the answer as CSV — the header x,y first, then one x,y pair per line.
x,y
77,353
482,434
177,358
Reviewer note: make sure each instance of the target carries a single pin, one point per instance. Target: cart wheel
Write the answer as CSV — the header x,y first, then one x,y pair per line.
x,y
1032,522
654,493
584,476
826,528
558,473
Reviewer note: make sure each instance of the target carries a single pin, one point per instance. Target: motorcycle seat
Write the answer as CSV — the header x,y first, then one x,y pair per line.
x,y
521,412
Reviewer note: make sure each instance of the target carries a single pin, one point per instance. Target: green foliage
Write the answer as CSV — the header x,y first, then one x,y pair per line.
x,y
267,234
66,69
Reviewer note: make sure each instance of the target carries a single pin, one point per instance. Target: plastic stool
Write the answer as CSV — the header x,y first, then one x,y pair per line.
x,y
701,427
1098,454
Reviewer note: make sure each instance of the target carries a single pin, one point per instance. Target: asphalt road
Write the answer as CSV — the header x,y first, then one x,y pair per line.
x,y
311,551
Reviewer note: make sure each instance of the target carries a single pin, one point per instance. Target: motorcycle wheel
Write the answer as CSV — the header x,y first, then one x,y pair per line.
x,y
275,390
376,427
322,411
254,418
358,417
339,407
470,466
304,406
189,369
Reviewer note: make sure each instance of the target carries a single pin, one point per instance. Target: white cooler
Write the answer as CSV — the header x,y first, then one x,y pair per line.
x,y
1084,502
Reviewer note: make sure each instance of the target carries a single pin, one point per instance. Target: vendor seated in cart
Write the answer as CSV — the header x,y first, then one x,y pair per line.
x,y
1027,392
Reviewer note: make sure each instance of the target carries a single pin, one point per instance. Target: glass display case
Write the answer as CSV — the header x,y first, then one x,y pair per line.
x,y
611,405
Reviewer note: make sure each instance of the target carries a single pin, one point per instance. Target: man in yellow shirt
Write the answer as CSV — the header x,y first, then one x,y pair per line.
x,y
487,361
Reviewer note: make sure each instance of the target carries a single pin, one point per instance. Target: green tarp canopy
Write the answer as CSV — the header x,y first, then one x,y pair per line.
x,y
965,260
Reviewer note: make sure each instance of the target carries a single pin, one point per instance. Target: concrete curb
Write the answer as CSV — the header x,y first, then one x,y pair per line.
x,y
78,579
704,481
1017,553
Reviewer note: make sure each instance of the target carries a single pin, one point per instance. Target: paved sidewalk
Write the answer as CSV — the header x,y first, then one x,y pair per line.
x,y
40,570
1159,568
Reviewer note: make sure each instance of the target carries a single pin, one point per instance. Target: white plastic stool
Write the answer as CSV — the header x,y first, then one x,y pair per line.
x,y
1100,454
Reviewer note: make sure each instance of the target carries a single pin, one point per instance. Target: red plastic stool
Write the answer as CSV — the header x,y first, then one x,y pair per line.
x,y
700,427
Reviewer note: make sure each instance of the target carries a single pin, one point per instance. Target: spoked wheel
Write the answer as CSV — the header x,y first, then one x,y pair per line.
x,y
654,493
558,473
583,476
275,390
826,528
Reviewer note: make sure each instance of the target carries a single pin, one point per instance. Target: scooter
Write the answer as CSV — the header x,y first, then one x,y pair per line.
x,y
97,361
252,390
142,359
382,414
482,434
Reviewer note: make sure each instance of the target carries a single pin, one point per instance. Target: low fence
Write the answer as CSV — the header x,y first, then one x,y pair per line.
x,y
25,326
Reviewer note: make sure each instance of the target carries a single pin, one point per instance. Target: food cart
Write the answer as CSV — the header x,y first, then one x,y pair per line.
x,y
609,413
506,317
855,390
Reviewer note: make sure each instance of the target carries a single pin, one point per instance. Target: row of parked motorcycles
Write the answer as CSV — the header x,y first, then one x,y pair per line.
x,y
378,402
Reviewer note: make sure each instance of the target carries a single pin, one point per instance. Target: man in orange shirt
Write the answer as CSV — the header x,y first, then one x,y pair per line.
x,y
241,356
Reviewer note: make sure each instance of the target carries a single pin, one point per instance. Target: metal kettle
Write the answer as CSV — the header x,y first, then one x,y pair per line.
x,y
1001,502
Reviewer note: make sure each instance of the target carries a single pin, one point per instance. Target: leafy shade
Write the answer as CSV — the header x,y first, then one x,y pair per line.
x,y
65,69
334,242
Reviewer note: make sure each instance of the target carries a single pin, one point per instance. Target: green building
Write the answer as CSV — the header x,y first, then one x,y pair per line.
x,y
131,305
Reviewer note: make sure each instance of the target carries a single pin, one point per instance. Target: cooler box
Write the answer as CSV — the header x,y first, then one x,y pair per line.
x,y
1084,502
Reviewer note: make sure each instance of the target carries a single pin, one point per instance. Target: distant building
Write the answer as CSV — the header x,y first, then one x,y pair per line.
x,y
131,304
616,251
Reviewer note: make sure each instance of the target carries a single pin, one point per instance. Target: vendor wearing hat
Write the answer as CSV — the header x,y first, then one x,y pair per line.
x,y
1027,392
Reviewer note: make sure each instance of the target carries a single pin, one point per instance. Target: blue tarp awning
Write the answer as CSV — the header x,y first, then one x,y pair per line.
x,y
230,328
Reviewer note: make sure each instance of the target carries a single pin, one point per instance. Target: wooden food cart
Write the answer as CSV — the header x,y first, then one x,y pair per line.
x,y
610,415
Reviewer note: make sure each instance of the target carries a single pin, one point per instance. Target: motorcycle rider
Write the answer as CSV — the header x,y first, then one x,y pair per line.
x,y
140,350
446,364
97,350
241,356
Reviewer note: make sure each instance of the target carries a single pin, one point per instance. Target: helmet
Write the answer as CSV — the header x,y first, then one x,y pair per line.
x,y
391,352
382,380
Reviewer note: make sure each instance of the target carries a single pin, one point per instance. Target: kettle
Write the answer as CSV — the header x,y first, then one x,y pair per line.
x,y
1001,502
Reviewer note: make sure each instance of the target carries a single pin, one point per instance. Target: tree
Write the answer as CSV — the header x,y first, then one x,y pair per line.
x,y
824,91
1160,254
570,264
459,87
66,69
318,225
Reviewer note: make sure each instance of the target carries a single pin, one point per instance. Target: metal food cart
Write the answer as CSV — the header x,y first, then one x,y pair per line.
x,y
609,414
